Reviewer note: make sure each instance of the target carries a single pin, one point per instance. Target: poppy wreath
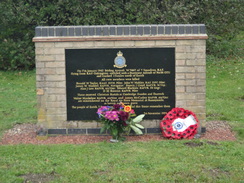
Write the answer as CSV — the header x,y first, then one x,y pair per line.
x,y
179,123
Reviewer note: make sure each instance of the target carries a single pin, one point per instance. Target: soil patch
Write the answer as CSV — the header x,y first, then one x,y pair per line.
x,y
26,134
38,178
217,172
193,144
212,143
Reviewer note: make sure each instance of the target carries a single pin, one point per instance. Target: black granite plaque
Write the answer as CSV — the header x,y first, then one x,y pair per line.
x,y
141,77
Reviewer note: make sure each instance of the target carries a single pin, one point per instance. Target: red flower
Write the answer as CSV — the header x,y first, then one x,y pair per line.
x,y
116,107
123,115
124,123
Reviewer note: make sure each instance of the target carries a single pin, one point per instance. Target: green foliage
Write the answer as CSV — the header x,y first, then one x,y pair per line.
x,y
223,19
17,54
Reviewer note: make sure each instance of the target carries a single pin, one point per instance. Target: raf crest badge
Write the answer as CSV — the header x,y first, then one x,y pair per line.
x,y
120,61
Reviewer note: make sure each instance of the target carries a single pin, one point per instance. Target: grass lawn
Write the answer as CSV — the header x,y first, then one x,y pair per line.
x,y
225,92
164,161
17,98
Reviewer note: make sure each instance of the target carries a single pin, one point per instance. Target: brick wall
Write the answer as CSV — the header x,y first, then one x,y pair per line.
x,y
189,42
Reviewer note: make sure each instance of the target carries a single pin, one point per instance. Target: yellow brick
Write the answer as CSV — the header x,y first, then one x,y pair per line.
x,y
180,49
180,56
180,62
190,89
53,51
39,51
71,124
165,43
55,64
180,103
104,44
190,82
179,76
201,82
40,64
200,69
60,84
55,78
56,104
184,42
185,69
56,91
85,44
45,58
55,111
191,76
87,124
60,57
195,103
124,43
180,82
64,44
186,96
61,97
144,43
60,71
201,96
180,89
44,45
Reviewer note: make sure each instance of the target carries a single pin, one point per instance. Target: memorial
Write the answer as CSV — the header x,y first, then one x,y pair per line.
x,y
154,68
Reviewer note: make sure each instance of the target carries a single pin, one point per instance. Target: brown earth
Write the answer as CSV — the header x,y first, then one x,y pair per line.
x,y
26,134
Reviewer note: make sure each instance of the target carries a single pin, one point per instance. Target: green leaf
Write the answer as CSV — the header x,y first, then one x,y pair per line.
x,y
102,129
136,130
138,118
139,126
128,129
114,131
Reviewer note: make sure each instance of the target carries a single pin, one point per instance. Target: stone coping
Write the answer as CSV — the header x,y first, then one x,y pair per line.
x,y
96,131
108,32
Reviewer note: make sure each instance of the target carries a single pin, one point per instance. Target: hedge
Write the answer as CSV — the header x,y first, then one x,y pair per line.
x,y
223,19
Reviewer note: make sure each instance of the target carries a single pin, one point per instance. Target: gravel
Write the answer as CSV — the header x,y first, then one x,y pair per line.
x,y
26,134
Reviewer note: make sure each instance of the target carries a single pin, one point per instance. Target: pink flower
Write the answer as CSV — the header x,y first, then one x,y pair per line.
x,y
112,115
102,110
132,111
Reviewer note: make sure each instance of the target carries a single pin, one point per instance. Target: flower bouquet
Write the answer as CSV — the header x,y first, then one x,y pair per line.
x,y
119,119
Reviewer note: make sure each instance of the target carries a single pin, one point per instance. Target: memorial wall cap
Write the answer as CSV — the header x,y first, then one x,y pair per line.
x,y
104,32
